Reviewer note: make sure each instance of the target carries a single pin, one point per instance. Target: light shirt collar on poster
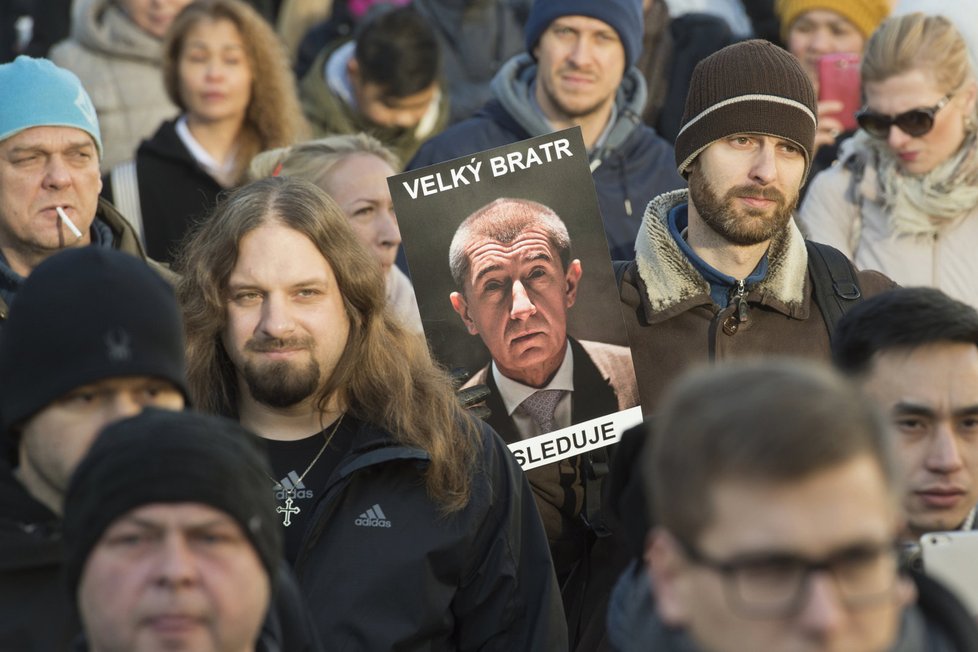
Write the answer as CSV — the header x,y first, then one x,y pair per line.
x,y
513,393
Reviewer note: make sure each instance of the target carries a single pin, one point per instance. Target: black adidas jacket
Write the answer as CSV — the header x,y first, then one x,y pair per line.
x,y
382,569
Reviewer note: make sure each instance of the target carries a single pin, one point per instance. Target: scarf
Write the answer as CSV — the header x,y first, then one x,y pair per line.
x,y
923,205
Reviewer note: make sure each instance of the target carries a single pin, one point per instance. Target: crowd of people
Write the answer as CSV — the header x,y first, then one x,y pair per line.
x,y
222,428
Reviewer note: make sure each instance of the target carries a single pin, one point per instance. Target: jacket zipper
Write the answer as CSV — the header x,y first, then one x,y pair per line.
x,y
739,300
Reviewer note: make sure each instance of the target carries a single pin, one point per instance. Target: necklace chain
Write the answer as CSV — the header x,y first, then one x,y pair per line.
x,y
289,509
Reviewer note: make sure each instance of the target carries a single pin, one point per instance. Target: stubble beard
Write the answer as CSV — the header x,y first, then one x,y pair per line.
x,y
740,226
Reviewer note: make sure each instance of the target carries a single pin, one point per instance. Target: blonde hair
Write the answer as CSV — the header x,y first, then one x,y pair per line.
x,y
314,160
917,41
385,375
273,117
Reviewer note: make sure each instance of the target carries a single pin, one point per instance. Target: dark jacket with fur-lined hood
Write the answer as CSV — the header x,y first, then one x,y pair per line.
x,y
673,322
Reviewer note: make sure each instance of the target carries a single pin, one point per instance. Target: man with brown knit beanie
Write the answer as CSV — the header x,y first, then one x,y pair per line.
x,y
721,270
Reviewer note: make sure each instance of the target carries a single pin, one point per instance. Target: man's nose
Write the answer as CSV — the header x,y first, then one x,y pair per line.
x,y
944,454
175,563
522,308
764,169
276,317
123,404
823,612
56,174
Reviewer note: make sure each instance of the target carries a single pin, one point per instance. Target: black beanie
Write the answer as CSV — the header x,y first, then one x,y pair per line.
x,y
163,456
84,315
624,16
748,87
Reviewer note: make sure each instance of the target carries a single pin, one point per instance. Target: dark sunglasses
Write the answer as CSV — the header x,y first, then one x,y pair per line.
x,y
915,122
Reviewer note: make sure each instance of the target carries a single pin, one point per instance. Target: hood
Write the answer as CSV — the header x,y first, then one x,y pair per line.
x,y
100,26
513,87
672,284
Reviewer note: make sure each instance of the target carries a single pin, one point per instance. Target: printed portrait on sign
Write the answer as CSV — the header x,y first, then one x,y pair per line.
x,y
510,264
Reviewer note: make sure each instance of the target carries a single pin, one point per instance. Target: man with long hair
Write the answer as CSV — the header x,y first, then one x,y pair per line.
x,y
386,487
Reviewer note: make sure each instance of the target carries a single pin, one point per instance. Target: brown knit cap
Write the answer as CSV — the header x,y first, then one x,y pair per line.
x,y
748,87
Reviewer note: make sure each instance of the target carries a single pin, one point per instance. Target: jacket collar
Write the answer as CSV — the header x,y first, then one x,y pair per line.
x,y
671,285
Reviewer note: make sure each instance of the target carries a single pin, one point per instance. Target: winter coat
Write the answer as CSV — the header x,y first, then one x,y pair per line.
x,y
120,66
406,577
329,114
844,209
124,238
673,323
632,166
174,191
35,614
937,622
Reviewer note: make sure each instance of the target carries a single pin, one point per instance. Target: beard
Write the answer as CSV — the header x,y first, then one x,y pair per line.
x,y
280,383
743,226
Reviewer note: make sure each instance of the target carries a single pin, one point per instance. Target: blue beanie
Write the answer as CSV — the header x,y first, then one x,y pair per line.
x,y
37,93
624,16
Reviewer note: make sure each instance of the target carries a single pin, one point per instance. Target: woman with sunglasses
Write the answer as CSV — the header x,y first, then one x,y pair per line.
x,y
815,29
903,197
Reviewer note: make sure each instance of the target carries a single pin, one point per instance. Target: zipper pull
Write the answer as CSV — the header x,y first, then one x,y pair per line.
x,y
740,298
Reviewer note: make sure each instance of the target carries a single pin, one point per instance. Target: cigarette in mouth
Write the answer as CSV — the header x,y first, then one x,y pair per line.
x,y
67,220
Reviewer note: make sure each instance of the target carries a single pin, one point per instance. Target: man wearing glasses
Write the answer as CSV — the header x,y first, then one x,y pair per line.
x,y
776,503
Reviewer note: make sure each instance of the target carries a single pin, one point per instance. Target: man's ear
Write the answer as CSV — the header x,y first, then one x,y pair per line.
x,y
666,567
353,70
572,278
462,308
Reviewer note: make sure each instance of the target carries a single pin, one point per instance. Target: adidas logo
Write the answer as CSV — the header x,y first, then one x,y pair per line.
x,y
291,481
373,517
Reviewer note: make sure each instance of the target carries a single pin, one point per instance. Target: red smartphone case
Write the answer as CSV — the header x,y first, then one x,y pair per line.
x,y
838,79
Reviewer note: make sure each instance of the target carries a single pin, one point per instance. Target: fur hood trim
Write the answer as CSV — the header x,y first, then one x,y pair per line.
x,y
672,285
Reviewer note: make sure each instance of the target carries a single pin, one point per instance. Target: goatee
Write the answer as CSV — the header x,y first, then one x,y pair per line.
x,y
280,383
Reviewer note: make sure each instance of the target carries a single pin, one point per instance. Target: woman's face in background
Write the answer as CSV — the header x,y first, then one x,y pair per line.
x,y
358,184
153,16
914,90
214,71
819,32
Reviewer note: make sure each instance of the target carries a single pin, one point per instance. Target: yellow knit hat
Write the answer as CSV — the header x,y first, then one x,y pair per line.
x,y
866,15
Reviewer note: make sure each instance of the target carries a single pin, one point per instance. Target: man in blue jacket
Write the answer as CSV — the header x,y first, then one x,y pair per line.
x,y
577,71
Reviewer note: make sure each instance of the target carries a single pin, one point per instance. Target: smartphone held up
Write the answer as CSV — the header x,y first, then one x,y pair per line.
x,y
838,80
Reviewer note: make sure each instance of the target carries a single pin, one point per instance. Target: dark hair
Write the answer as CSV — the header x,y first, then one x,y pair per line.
x,y
903,318
771,421
398,51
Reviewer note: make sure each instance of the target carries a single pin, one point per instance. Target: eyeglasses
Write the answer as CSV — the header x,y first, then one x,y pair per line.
x,y
776,585
915,122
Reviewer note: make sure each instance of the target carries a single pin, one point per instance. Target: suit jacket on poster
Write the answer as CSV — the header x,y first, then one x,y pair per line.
x,y
604,383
